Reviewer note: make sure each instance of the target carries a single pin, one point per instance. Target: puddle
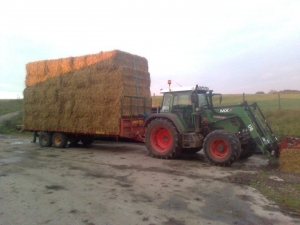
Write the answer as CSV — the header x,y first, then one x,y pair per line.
x,y
6,137
11,160
19,152
20,142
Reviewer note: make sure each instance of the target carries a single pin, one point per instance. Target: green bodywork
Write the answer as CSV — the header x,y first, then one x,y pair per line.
x,y
256,123
193,112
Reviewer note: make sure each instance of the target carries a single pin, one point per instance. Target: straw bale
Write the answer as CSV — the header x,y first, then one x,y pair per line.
x,y
289,160
88,99
53,68
42,70
35,71
79,62
67,65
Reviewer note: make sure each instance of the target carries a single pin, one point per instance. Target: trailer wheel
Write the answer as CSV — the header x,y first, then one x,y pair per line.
x,y
162,139
45,139
248,150
87,140
59,140
222,148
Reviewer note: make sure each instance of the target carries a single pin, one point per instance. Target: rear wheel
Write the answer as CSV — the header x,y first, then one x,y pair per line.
x,y
162,139
59,140
45,139
222,148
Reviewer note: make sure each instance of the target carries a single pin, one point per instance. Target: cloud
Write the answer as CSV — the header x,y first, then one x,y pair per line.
x,y
226,44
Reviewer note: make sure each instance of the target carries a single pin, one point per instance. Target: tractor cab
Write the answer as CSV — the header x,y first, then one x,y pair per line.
x,y
184,102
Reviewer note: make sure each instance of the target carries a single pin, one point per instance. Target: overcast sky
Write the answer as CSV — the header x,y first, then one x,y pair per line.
x,y
228,46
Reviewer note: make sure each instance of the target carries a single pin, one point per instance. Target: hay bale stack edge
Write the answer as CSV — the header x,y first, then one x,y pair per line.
x,y
85,94
289,160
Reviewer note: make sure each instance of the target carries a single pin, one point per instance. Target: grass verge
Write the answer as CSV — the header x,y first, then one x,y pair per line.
x,y
281,187
10,105
9,126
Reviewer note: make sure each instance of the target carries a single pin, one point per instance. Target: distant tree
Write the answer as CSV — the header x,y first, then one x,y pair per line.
x,y
272,92
289,91
260,92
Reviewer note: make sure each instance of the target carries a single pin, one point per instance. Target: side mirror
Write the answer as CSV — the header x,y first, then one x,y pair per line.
x,y
221,98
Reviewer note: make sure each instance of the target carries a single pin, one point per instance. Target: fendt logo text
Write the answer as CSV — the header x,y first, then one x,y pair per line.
x,y
225,110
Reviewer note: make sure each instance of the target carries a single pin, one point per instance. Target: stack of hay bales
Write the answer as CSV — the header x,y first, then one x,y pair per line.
x,y
289,160
85,94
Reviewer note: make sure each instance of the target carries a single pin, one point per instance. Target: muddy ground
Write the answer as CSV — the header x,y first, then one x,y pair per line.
x,y
118,183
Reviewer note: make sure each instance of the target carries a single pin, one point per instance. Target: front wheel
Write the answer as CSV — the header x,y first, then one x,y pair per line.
x,y
162,139
222,148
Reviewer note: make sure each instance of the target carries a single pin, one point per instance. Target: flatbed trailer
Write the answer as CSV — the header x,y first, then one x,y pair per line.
x,y
130,127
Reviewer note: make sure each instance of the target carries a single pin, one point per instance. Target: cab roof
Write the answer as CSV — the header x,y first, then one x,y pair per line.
x,y
179,89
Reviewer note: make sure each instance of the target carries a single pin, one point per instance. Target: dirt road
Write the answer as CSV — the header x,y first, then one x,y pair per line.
x,y
118,183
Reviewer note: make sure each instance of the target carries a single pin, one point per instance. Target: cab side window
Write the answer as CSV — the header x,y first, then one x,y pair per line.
x,y
166,103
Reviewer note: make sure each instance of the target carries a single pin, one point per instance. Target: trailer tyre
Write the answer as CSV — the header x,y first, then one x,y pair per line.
x,y
222,148
45,139
162,139
59,140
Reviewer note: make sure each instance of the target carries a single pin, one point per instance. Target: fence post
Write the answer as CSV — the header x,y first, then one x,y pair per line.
x,y
279,105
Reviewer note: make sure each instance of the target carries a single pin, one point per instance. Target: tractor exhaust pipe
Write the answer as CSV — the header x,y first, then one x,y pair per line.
x,y
197,112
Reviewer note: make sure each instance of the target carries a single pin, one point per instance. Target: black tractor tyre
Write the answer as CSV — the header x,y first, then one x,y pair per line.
x,y
59,140
87,140
222,148
248,149
45,139
162,139
191,150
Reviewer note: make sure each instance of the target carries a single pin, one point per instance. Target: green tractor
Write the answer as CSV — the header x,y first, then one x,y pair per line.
x,y
188,122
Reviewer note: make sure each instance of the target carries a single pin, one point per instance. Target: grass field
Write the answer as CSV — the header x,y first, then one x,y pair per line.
x,y
266,101
10,105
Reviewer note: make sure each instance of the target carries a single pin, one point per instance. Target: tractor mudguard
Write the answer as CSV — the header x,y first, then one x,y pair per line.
x,y
169,116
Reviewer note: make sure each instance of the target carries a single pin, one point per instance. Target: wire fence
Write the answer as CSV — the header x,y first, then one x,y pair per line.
x,y
276,101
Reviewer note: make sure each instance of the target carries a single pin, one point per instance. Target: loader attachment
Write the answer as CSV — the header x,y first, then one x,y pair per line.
x,y
253,119
259,128
261,131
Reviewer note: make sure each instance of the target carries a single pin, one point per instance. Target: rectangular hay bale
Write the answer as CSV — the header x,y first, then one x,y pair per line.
x,y
42,70
289,160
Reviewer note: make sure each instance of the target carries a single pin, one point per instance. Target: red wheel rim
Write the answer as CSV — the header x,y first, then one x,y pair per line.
x,y
219,149
161,139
